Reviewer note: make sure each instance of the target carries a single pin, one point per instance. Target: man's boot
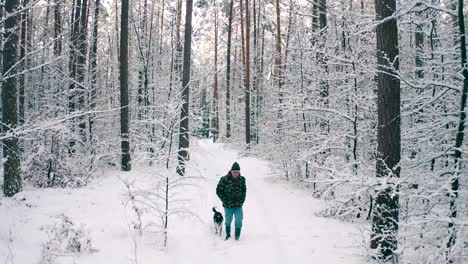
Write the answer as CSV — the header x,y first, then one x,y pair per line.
x,y
228,232
237,233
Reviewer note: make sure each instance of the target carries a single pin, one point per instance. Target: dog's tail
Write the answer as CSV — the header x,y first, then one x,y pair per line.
x,y
214,209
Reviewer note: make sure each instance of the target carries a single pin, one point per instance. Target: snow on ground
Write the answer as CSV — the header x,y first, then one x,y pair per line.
x,y
280,225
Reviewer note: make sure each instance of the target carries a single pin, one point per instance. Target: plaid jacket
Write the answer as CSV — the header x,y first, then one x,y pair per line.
x,y
231,191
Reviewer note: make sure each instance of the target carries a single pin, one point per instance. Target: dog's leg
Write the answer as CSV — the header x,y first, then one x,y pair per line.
x,y
221,230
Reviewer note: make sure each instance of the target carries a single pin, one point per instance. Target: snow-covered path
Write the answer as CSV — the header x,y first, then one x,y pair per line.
x,y
279,221
280,225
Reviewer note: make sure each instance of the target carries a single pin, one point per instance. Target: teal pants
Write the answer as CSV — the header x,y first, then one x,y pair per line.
x,y
238,215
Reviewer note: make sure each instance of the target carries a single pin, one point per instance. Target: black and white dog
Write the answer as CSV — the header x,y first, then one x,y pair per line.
x,y
218,221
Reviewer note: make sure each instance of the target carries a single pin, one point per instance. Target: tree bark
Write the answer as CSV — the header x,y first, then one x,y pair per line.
x,y
253,97
260,102
142,92
72,66
247,73
81,65
183,154
57,29
2,32
322,60
288,35
22,59
242,26
215,121
179,46
161,30
455,185
259,72
228,71
11,155
172,70
93,69
278,59
75,20
385,216
419,37
124,94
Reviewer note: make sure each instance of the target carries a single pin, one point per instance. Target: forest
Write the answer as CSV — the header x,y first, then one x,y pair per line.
x,y
361,103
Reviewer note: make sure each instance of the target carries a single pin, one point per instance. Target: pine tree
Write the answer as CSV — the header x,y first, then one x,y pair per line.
x,y
215,119
247,73
183,153
11,166
228,71
93,69
22,59
278,62
385,215
124,94
455,181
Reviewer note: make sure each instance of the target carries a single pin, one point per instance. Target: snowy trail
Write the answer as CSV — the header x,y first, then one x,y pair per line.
x,y
279,221
280,225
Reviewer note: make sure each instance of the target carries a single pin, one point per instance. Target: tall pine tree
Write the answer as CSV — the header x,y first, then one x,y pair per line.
x,y
455,181
11,165
124,94
385,215
183,153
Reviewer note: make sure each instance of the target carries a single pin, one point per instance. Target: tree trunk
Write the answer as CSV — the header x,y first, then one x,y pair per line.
x,y
34,99
81,65
434,42
57,29
242,26
11,155
288,35
247,73
142,92
279,62
205,114
124,93
315,16
322,60
419,39
183,154
2,32
93,69
22,59
73,58
253,97
355,122
385,216
215,121
172,69
323,14
72,65
460,132
259,72
228,71
116,24
178,55
161,30
150,61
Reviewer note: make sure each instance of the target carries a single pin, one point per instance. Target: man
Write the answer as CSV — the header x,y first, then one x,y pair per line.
x,y
231,190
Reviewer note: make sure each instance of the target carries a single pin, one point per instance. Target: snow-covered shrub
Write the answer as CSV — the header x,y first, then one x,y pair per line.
x,y
65,239
49,160
151,199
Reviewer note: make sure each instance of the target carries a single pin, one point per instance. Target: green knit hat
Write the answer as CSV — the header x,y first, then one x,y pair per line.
x,y
235,166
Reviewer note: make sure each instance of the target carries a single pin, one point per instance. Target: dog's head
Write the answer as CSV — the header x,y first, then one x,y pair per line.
x,y
217,217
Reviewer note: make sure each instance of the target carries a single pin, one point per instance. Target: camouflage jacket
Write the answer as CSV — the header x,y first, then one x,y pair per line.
x,y
231,191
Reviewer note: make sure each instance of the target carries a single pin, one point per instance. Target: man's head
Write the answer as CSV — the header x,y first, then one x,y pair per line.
x,y
235,169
